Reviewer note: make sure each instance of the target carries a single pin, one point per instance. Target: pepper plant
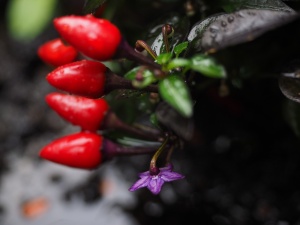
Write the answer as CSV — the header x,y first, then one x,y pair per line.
x,y
165,71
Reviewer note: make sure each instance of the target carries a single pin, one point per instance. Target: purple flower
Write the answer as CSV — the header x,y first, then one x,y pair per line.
x,y
155,182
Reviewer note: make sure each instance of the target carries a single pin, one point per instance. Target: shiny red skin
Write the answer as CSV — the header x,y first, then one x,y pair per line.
x,y
84,112
80,150
56,53
94,37
85,78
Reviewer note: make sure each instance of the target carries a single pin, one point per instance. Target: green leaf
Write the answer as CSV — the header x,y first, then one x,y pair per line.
x,y
164,58
180,48
90,6
179,62
207,66
28,18
147,77
175,92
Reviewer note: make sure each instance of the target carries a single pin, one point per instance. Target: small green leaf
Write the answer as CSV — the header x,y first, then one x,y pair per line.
x,y
179,62
27,18
207,66
147,77
175,92
163,58
180,48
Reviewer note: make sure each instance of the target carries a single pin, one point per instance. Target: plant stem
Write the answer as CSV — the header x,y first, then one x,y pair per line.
x,y
167,31
126,51
153,168
113,82
111,149
141,44
112,122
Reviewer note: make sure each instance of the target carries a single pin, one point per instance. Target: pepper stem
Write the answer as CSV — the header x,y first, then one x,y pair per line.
x,y
141,45
113,82
167,31
111,149
112,122
126,51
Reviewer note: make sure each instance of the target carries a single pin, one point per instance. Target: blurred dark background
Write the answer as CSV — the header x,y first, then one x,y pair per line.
x,y
245,171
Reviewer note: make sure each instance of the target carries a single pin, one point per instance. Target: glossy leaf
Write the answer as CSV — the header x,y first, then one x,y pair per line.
x,y
90,6
266,4
166,115
291,112
278,5
28,18
290,87
175,92
195,35
225,30
147,77
179,62
207,66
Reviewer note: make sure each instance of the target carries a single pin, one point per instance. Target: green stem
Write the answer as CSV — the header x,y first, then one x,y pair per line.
x,y
153,168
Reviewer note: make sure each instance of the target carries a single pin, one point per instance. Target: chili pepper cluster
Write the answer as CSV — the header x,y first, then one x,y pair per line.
x,y
82,85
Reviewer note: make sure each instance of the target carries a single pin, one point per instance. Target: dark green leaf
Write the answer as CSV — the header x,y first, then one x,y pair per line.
x,y
28,18
175,92
167,115
226,30
291,112
290,87
90,6
278,5
196,33
129,105
207,66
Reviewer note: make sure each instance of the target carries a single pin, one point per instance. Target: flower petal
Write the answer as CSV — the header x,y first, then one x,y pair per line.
x,y
169,167
170,176
144,174
155,185
143,182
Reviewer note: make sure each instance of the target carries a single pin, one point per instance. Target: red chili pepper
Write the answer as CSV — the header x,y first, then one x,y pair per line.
x,y
85,112
85,78
79,150
94,37
56,53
